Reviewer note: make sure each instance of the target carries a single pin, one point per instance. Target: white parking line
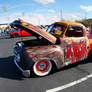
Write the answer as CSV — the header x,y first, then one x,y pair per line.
x,y
70,84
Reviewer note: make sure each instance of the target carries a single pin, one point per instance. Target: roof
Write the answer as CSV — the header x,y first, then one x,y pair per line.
x,y
68,23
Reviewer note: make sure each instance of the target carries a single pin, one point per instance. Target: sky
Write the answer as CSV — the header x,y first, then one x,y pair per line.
x,y
40,12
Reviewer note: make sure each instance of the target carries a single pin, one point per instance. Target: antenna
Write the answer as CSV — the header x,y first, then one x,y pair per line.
x,y
61,14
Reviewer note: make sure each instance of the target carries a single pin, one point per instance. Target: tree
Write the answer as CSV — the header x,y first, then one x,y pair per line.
x,y
86,22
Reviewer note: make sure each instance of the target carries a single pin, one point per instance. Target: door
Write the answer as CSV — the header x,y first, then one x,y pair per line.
x,y
69,54
76,46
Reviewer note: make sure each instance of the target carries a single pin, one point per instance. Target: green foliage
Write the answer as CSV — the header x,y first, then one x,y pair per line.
x,y
85,22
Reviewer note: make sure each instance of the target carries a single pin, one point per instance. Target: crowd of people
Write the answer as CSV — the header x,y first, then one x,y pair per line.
x,y
4,31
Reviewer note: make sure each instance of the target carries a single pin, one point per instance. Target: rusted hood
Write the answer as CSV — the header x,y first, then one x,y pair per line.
x,y
35,31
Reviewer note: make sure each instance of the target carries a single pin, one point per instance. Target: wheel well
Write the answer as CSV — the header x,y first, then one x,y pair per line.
x,y
54,67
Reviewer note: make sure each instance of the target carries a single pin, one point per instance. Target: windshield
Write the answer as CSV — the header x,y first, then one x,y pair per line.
x,y
56,29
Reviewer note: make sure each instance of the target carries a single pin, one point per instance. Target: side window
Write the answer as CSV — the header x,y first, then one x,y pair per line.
x,y
74,31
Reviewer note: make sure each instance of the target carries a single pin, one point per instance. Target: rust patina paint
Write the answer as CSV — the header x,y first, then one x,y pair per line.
x,y
70,49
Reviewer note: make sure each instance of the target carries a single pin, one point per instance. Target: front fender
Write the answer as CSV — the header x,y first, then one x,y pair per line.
x,y
55,55
52,52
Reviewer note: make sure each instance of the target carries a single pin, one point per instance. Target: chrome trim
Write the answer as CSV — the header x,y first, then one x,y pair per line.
x,y
22,70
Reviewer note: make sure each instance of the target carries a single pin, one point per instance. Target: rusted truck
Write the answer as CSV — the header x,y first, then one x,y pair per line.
x,y
62,44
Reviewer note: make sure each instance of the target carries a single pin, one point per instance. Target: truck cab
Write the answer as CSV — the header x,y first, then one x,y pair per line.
x,y
62,44
73,39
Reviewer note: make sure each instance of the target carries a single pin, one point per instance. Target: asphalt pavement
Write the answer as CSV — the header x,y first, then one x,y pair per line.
x,y
11,79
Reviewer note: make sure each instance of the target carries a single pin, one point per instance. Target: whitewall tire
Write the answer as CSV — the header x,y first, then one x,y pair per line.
x,y
42,67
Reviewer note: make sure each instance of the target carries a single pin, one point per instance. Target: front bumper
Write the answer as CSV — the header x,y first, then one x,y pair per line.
x,y
26,73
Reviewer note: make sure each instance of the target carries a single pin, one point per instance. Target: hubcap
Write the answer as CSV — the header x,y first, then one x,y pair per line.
x,y
42,67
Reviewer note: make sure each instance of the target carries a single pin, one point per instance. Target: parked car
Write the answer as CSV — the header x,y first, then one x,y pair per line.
x,y
62,44
18,32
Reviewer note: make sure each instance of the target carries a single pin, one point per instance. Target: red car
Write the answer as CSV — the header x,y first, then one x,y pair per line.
x,y
17,32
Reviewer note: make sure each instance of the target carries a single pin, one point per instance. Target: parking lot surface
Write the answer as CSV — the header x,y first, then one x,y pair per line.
x,y
11,79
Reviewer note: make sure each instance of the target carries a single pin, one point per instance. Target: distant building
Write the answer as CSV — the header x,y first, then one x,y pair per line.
x,y
4,28
3,25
